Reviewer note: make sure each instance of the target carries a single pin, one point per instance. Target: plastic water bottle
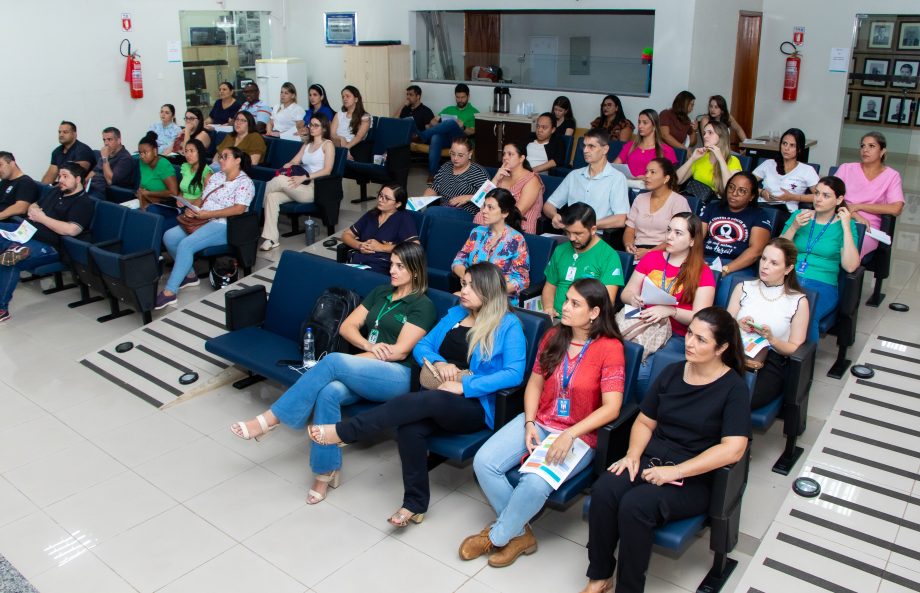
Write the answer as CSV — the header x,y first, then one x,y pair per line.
x,y
310,231
309,344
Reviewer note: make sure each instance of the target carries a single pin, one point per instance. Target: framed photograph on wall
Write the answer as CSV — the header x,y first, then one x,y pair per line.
x,y
899,110
881,34
875,72
341,28
846,106
910,36
870,108
904,74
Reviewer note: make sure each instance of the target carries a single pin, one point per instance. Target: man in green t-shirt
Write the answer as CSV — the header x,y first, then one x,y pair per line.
x,y
585,256
442,131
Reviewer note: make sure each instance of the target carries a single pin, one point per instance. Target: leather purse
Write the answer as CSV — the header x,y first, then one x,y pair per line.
x,y
429,377
190,224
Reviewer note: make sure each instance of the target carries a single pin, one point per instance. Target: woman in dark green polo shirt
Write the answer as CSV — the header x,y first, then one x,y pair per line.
x,y
386,327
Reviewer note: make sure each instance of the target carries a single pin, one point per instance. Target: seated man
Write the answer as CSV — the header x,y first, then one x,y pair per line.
x,y
415,109
115,167
585,256
599,185
453,122
17,190
259,109
64,211
70,149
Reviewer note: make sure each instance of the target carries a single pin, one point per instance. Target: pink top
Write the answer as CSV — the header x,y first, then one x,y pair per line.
x,y
655,266
884,189
639,158
530,217
652,227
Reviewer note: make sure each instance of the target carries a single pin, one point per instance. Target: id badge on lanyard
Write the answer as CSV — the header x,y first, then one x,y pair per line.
x,y
572,270
563,406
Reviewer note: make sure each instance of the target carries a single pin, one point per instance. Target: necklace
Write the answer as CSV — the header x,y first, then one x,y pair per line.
x,y
760,286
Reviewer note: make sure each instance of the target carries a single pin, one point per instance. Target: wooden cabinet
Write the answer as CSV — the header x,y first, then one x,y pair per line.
x,y
381,73
493,130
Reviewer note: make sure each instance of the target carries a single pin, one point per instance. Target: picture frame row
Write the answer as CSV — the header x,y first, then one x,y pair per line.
x,y
872,108
881,35
880,72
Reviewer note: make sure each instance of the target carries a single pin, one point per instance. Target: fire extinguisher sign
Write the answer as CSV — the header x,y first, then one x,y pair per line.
x,y
126,21
798,35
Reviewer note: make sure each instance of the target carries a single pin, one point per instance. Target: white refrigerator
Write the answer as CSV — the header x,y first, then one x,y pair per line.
x,y
272,73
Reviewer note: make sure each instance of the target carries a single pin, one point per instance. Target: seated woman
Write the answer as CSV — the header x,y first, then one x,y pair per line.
x,y
167,130
458,179
194,172
676,124
736,228
193,130
718,111
227,193
695,419
613,120
787,180
384,328
379,231
516,176
679,270
316,157
318,103
244,136
581,364
545,149
158,176
224,108
650,213
826,240
499,242
873,188
647,146
772,306
285,114
481,335
714,163
563,117
351,124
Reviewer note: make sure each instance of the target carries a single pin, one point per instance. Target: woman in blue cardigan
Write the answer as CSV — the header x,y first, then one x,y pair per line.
x,y
481,335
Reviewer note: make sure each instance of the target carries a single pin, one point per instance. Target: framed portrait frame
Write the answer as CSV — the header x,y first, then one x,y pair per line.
x,y
340,28
870,108
896,106
881,35
904,80
875,67
909,36
846,106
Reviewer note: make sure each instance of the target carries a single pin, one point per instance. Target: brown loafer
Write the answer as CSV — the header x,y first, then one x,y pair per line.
x,y
522,544
476,545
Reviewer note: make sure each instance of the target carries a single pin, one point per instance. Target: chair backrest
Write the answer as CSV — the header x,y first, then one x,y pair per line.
x,y
391,132
771,215
550,184
419,219
632,353
661,360
567,142
614,149
141,231
540,249
578,158
817,168
534,325
282,151
832,170
108,219
447,212
442,301
746,161
259,198
338,166
681,154
444,238
269,141
696,204
218,138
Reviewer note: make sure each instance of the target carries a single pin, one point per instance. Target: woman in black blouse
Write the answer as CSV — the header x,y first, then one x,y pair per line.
x,y
694,419
459,178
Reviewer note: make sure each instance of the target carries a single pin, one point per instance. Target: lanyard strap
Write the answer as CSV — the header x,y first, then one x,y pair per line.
x,y
664,276
566,375
810,245
384,309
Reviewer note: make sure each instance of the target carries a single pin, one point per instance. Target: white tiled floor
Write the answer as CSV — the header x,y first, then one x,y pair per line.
x,y
102,492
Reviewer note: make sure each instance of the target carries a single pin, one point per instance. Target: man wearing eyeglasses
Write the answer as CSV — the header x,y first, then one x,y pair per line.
x,y
115,167
70,149
256,106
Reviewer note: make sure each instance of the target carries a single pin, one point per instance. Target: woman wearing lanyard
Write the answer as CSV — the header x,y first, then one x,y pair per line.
x,y
826,240
575,388
385,328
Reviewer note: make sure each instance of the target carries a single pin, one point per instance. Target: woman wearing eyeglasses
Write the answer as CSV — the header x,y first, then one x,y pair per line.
x,y
245,136
193,130
293,182
736,229
374,236
695,418
459,178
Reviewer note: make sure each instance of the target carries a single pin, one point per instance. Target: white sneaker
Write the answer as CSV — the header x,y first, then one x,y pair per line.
x,y
268,245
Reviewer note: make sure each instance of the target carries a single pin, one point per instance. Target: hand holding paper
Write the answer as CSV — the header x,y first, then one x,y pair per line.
x,y
653,295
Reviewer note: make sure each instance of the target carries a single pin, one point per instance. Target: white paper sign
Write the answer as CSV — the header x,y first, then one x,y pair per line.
x,y
416,204
840,59
174,51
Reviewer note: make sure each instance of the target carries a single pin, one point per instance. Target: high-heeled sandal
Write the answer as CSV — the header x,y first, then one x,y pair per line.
x,y
322,436
263,424
331,480
402,517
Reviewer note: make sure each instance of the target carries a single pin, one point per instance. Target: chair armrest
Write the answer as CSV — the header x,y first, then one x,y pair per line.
x,y
327,195
800,372
728,485
111,245
534,290
139,268
851,293
342,253
245,307
399,158
243,229
508,404
613,438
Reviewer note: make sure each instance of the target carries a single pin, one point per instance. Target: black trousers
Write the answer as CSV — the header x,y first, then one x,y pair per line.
x,y
771,380
627,513
415,416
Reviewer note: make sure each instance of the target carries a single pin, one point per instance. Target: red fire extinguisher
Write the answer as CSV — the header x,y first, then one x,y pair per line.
x,y
792,73
133,75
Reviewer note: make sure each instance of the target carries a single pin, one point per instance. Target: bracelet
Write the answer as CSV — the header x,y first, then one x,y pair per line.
x,y
529,421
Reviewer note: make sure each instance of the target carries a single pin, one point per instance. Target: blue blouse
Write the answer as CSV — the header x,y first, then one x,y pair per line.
x,y
323,109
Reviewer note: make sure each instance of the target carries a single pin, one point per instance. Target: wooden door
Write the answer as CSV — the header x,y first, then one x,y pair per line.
x,y
747,54
482,34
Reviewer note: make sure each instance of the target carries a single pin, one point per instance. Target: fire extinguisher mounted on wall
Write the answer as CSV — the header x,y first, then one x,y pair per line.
x,y
133,75
792,72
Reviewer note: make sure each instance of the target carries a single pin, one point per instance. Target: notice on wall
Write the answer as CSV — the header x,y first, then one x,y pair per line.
x,y
174,51
840,59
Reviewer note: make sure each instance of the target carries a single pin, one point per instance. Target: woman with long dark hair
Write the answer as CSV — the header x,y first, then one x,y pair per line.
x,y
351,124
563,117
246,137
194,171
787,180
676,124
317,103
613,120
646,146
518,177
225,107
380,230
718,111
167,130
194,129
575,388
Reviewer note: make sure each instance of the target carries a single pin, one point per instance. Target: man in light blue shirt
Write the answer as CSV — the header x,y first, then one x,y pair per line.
x,y
599,185
259,109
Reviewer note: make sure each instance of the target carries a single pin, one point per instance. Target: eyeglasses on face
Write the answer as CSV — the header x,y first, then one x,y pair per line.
x,y
190,118
737,190
224,156
385,198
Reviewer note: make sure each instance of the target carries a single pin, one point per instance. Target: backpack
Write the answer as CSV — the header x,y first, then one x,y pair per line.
x,y
330,310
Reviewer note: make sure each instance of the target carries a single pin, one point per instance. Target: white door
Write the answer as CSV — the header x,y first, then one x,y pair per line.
x,y
544,50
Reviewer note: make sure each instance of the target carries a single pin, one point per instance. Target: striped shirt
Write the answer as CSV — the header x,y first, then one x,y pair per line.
x,y
447,185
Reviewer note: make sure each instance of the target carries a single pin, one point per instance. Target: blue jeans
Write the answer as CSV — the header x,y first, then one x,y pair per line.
x,y
438,138
828,296
674,344
183,247
516,506
40,254
337,380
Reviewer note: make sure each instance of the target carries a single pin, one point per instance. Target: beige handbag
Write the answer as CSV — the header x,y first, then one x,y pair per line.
x,y
651,336
429,377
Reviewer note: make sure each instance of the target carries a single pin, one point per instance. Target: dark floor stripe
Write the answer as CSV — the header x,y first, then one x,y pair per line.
x,y
187,329
753,590
875,442
860,508
209,359
886,405
273,268
262,278
901,342
869,539
893,371
902,581
126,386
141,373
241,285
805,576
164,359
887,388
214,305
205,318
870,463
820,471
897,356
880,423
